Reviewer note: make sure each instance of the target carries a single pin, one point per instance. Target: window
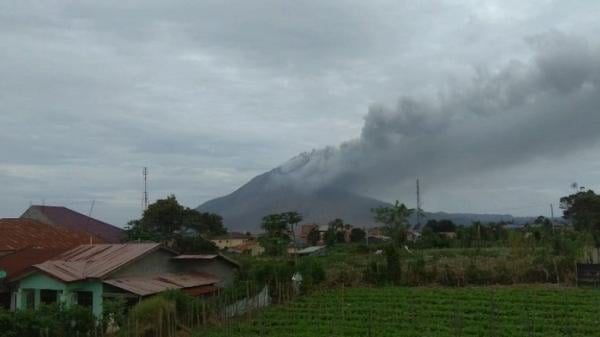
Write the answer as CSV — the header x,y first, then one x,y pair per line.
x,y
29,298
85,299
48,296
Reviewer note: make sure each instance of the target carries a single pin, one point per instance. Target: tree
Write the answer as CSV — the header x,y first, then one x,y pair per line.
x,y
314,236
180,227
279,230
340,236
583,209
163,219
441,226
395,220
392,259
337,224
329,237
357,235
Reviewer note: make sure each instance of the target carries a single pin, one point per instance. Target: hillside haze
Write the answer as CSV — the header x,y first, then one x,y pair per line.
x,y
281,190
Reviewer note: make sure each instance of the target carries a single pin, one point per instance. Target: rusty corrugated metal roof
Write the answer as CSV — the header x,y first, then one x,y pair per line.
x,y
16,234
18,262
206,257
148,285
94,261
70,219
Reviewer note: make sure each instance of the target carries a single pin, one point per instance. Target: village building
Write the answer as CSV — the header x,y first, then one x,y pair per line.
x,y
19,233
25,242
252,248
88,274
232,239
67,218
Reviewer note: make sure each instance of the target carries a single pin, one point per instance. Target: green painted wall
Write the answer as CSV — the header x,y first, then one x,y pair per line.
x,y
38,281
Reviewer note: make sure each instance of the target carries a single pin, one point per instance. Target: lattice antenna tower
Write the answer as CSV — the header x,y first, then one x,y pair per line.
x,y
145,200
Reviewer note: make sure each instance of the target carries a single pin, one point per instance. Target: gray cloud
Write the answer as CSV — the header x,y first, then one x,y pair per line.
x,y
210,93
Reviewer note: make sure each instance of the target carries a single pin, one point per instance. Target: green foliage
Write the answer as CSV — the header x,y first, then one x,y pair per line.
x,y
340,236
154,316
337,224
312,272
443,312
166,220
114,312
357,235
330,237
392,259
395,221
583,209
193,245
279,229
50,321
441,226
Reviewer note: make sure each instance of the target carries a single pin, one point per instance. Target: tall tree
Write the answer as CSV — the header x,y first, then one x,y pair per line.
x,y
180,227
279,229
395,220
357,235
583,209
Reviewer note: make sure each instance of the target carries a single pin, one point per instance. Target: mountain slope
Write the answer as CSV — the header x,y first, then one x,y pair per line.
x,y
243,209
276,191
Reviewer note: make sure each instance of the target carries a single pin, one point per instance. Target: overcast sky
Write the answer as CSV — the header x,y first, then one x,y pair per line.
x,y
208,94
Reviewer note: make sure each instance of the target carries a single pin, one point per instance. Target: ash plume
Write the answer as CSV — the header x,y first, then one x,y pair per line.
x,y
544,107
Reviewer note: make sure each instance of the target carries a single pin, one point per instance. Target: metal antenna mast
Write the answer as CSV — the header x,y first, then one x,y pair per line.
x,y
418,204
145,172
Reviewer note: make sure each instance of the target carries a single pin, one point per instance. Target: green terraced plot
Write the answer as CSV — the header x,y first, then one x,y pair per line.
x,y
482,311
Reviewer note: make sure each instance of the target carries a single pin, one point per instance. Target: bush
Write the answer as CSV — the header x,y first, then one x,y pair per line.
x,y
312,272
154,316
50,321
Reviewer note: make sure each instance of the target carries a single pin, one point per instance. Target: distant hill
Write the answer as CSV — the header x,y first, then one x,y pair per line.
x,y
271,192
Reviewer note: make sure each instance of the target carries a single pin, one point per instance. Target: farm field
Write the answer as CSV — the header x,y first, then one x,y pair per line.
x,y
396,311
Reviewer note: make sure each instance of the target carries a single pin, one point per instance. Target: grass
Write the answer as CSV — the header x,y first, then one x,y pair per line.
x,y
396,311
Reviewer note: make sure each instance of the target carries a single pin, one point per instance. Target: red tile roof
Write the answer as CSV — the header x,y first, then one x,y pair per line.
x,y
64,217
18,262
94,261
16,234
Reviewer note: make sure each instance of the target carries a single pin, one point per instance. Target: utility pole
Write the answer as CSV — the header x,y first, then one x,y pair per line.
x,y
552,216
418,205
145,203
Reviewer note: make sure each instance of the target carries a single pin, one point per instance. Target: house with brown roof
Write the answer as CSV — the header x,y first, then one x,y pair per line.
x,y
25,242
21,233
88,274
67,218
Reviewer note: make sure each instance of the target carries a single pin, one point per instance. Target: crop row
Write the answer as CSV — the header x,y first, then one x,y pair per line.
x,y
427,312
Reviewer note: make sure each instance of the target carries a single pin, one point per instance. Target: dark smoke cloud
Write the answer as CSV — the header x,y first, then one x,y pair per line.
x,y
545,107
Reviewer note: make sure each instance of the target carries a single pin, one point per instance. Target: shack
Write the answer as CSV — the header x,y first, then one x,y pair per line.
x,y
88,274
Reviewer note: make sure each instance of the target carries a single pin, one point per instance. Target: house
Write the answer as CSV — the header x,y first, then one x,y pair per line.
x,y
232,239
251,248
25,242
18,234
88,274
218,265
16,263
70,219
